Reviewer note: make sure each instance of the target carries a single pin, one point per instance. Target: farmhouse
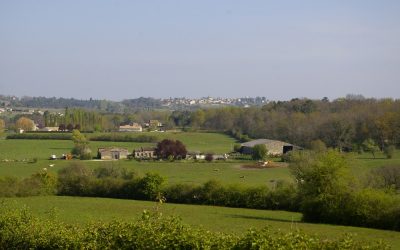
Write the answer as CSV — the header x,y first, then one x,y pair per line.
x,y
275,148
144,153
134,127
112,153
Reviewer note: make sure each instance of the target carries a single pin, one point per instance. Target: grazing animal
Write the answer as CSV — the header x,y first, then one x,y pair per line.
x,y
242,176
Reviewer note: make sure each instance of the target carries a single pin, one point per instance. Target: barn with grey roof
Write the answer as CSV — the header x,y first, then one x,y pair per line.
x,y
274,147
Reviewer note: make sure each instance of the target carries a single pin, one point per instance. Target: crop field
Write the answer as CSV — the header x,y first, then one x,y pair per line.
x,y
78,210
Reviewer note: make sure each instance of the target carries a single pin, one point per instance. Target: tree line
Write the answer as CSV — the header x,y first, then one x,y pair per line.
x,y
343,123
347,124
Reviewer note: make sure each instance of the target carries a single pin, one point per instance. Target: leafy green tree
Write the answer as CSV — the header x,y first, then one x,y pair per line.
x,y
260,152
370,145
150,186
323,182
318,146
81,147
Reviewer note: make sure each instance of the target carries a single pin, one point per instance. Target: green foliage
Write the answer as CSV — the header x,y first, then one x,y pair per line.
x,y
237,147
78,137
318,146
150,186
74,180
389,151
330,194
40,183
123,137
81,148
260,152
20,229
41,136
370,145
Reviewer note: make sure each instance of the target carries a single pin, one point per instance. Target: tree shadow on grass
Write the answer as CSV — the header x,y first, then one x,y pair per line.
x,y
252,217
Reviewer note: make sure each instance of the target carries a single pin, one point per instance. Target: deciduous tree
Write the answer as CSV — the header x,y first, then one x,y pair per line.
x,y
170,148
25,124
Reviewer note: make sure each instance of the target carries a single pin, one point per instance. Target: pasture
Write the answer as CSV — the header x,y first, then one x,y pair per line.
x,y
78,210
186,171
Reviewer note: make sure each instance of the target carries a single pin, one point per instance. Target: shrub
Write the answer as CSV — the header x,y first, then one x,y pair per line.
x,y
150,186
74,180
8,186
40,183
259,152
389,151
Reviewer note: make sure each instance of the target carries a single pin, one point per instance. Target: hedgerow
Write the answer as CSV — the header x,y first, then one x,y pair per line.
x,y
19,229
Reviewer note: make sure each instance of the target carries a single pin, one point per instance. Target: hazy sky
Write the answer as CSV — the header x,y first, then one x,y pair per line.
x,y
126,49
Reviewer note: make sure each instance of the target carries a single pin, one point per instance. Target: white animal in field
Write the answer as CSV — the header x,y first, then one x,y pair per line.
x,y
51,165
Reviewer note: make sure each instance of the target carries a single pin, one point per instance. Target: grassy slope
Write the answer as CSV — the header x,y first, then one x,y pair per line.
x,y
81,210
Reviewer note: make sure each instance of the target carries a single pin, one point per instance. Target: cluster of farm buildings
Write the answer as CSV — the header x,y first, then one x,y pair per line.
x,y
275,148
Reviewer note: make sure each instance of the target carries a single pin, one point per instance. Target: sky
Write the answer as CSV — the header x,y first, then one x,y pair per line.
x,y
116,50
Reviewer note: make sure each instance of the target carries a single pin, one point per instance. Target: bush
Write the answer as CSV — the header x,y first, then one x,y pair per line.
x,y
389,151
259,152
40,183
149,187
74,180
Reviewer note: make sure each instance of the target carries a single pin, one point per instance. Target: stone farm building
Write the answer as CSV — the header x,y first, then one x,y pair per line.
x,y
144,153
134,127
275,148
112,153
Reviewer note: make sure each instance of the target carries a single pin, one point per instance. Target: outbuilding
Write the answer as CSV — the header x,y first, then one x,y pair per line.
x,y
112,153
274,147
144,153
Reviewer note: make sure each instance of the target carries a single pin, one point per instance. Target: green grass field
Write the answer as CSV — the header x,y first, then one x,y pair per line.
x,y
80,210
194,141
176,172
77,210
229,172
